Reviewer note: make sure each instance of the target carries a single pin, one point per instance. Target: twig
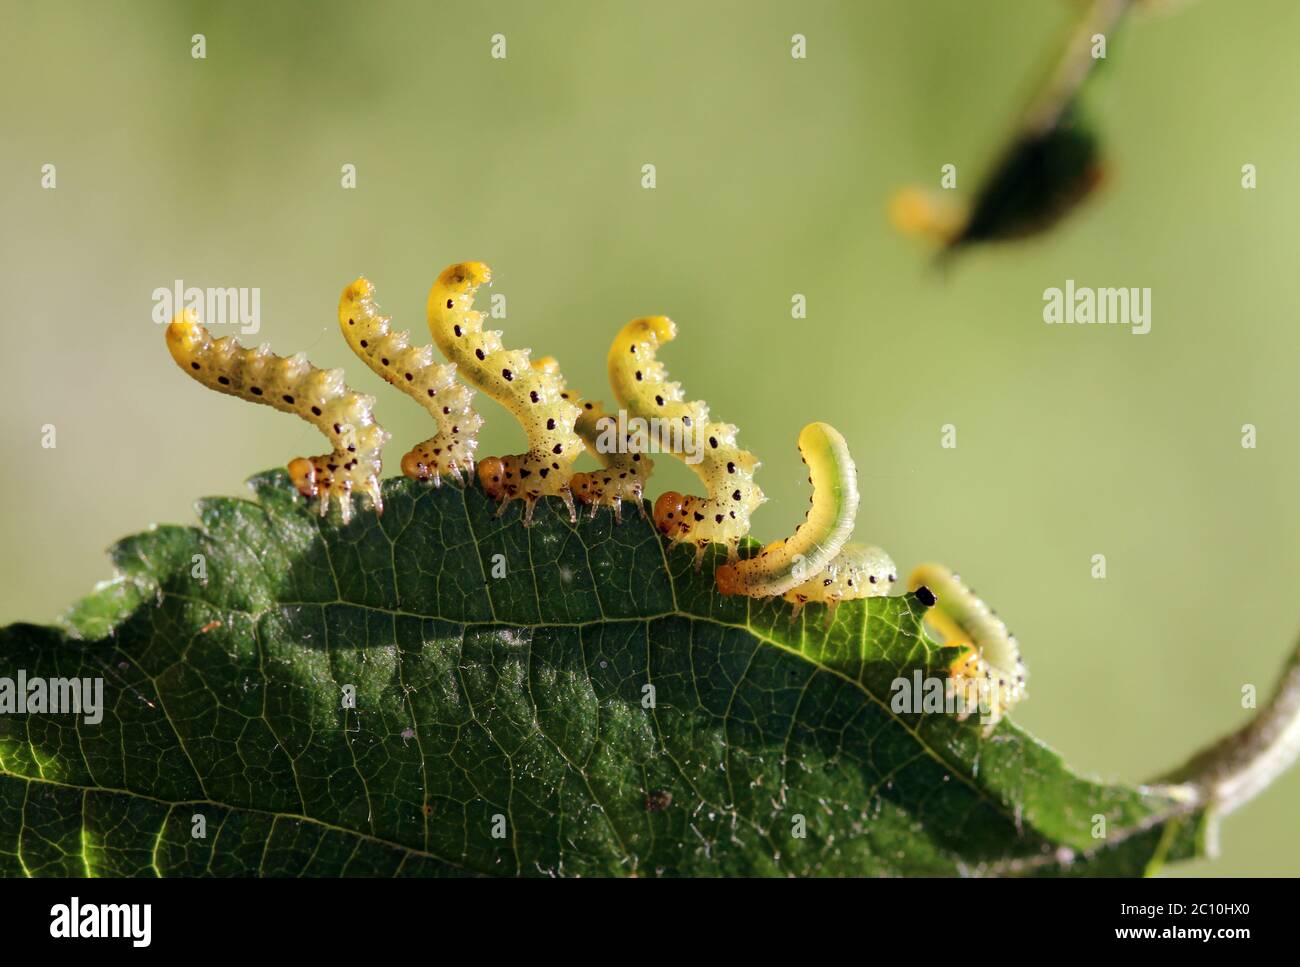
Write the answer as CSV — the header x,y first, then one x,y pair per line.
x,y
1239,766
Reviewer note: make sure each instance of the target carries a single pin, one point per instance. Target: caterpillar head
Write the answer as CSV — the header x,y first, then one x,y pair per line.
x,y
668,511
303,474
727,580
492,475
414,467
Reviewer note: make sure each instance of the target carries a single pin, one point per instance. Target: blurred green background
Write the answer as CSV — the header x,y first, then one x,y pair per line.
x,y
773,176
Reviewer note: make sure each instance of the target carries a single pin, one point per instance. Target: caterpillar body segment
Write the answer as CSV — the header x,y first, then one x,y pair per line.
x,y
534,396
683,428
293,385
624,464
413,370
784,564
989,673
857,571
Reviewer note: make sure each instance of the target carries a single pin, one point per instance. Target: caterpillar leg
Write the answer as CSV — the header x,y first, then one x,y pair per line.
x,y
965,674
584,490
594,492
830,612
422,463
291,384
989,674
312,478
609,488
512,478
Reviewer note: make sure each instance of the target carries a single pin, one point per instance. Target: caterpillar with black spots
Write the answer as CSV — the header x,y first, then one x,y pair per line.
x,y
534,396
989,673
641,385
293,385
785,564
412,369
818,565
624,464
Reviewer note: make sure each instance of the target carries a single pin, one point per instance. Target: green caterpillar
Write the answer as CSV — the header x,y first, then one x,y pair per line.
x,y
817,564
785,564
989,672
413,371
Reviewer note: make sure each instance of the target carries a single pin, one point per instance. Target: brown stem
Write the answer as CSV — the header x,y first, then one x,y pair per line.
x,y
1239,766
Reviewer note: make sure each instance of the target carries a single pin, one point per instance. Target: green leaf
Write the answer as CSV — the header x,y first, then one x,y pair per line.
x,y
515,705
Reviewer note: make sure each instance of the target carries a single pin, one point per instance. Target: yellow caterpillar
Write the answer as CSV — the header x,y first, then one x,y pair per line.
x,y
625,467
784,564
989,673
683,428
534,396
293,385
857,571
413,371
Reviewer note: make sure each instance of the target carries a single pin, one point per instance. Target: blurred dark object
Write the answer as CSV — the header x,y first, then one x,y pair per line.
x,y
1051,163
1040,180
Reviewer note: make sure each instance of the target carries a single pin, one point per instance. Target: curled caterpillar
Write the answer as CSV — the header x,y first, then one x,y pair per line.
x,y
624,465
413,370
534,396
857,571
784,564
293,385
989,673
641,385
